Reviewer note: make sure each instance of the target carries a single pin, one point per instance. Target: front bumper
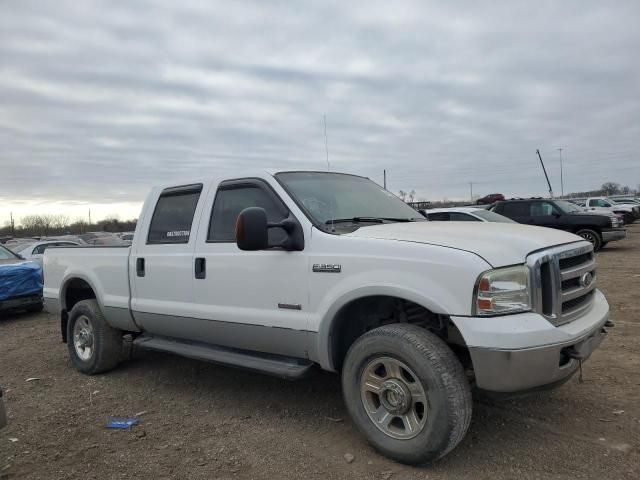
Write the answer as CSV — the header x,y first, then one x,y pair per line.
x,y
614,234
528,352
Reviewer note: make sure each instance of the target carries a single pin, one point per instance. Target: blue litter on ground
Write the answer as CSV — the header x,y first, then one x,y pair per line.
x,y
115,422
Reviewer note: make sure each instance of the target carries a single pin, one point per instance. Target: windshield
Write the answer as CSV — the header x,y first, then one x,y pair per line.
x,y
6,254
492,216
568,207
333,196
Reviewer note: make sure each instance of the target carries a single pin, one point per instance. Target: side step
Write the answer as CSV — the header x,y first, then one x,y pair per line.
x,y
276,365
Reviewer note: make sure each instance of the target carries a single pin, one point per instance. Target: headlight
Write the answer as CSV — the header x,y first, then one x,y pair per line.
x,y
503,290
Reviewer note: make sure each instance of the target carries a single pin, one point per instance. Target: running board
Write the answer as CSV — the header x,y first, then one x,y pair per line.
x,y
276,365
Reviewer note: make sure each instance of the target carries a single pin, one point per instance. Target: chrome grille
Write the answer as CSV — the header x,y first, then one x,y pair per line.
x,y
560,281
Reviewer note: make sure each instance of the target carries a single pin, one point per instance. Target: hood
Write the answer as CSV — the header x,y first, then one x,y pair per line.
x,y
499,244
11,261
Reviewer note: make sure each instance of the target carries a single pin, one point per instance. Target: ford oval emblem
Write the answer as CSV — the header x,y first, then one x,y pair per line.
x,y
586,279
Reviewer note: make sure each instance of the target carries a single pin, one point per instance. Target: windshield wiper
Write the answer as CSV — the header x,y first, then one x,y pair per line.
x,y
367,220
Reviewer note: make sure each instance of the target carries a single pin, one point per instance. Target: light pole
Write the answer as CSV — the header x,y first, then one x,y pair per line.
x,y
561,179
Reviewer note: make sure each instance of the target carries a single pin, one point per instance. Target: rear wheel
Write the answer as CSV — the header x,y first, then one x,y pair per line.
x,y
407,393
94,346
592,237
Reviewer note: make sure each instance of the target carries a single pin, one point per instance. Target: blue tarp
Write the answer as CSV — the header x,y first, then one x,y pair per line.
x,y
19,279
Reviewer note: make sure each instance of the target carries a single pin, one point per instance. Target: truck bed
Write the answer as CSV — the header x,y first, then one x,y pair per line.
x,y
106,269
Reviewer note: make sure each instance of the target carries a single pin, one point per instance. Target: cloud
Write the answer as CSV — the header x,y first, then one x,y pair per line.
x,y
100,100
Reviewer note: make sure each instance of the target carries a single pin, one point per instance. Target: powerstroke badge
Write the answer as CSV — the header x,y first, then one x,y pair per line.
x,y
327,267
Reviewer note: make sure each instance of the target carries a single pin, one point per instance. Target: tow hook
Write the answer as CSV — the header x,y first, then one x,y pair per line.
x,y
572,352
609,324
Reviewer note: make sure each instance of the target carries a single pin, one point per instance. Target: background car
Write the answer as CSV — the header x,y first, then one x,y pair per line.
x,y
464,214
491,198
20,283
35,251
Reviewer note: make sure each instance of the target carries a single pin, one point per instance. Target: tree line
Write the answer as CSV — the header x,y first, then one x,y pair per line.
x,y
46,225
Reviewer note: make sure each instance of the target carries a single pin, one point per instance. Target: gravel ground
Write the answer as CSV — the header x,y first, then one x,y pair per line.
x,y
199,420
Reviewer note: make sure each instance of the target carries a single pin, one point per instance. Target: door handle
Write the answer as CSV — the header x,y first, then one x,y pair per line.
x,y
140,267
201,268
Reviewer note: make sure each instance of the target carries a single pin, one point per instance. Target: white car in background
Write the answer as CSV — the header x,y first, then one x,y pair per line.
x,y
464,214
35,251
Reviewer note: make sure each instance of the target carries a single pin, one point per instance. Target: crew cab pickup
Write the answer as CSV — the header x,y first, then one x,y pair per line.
x,y
604,204
597,228
285,272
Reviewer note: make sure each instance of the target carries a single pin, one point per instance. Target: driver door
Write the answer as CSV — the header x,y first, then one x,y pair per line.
x,y
254,300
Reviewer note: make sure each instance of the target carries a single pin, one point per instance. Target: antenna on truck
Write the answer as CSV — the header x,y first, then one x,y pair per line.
x,y
545,173
326,142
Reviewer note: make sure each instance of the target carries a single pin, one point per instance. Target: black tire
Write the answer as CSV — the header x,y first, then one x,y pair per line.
x,y
107,341
448,394
592,237
628,218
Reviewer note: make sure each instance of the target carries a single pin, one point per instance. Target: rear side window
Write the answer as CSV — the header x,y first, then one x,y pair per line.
x,y
228,204
463,217
516,209
438,216
173,216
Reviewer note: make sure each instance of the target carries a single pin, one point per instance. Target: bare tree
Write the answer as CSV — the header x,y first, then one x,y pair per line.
x,y
611,188
402,194
412,195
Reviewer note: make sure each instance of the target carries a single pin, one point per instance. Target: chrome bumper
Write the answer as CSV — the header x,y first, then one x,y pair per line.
x,y
612,235
510,371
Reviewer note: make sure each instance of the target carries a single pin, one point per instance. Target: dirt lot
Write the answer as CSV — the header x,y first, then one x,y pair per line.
x,y
206,421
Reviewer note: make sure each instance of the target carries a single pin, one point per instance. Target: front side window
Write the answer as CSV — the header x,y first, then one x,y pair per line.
x,y
230,201
541,209
173,215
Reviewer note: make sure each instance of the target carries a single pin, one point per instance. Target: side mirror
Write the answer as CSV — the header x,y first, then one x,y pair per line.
x,y
252,231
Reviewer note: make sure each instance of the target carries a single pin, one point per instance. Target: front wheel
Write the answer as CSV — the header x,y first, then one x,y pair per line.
x,y
407,393
94,346
592,237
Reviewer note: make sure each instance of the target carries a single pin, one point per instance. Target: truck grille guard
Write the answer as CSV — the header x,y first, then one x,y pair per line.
x,y
563,281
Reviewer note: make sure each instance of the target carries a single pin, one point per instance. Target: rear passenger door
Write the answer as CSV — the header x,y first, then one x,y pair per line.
x,y
161,264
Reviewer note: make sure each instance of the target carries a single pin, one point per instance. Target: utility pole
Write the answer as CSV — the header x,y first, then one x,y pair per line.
x,y
384,179
471,188
89,216
13,227
561,179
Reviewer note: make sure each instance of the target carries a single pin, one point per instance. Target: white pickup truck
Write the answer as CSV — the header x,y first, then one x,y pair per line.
x,y
607,205
283,272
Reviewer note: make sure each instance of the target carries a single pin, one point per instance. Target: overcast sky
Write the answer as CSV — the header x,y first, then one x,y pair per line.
x,y
101,100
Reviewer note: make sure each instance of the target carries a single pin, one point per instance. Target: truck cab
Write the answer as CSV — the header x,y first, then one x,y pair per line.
x,y
287,272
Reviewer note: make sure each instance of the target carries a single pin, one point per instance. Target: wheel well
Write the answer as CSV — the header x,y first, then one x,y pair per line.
x,y
366,313
76,291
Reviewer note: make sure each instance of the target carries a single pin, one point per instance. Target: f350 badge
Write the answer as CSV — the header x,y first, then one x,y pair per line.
x,y
327,267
